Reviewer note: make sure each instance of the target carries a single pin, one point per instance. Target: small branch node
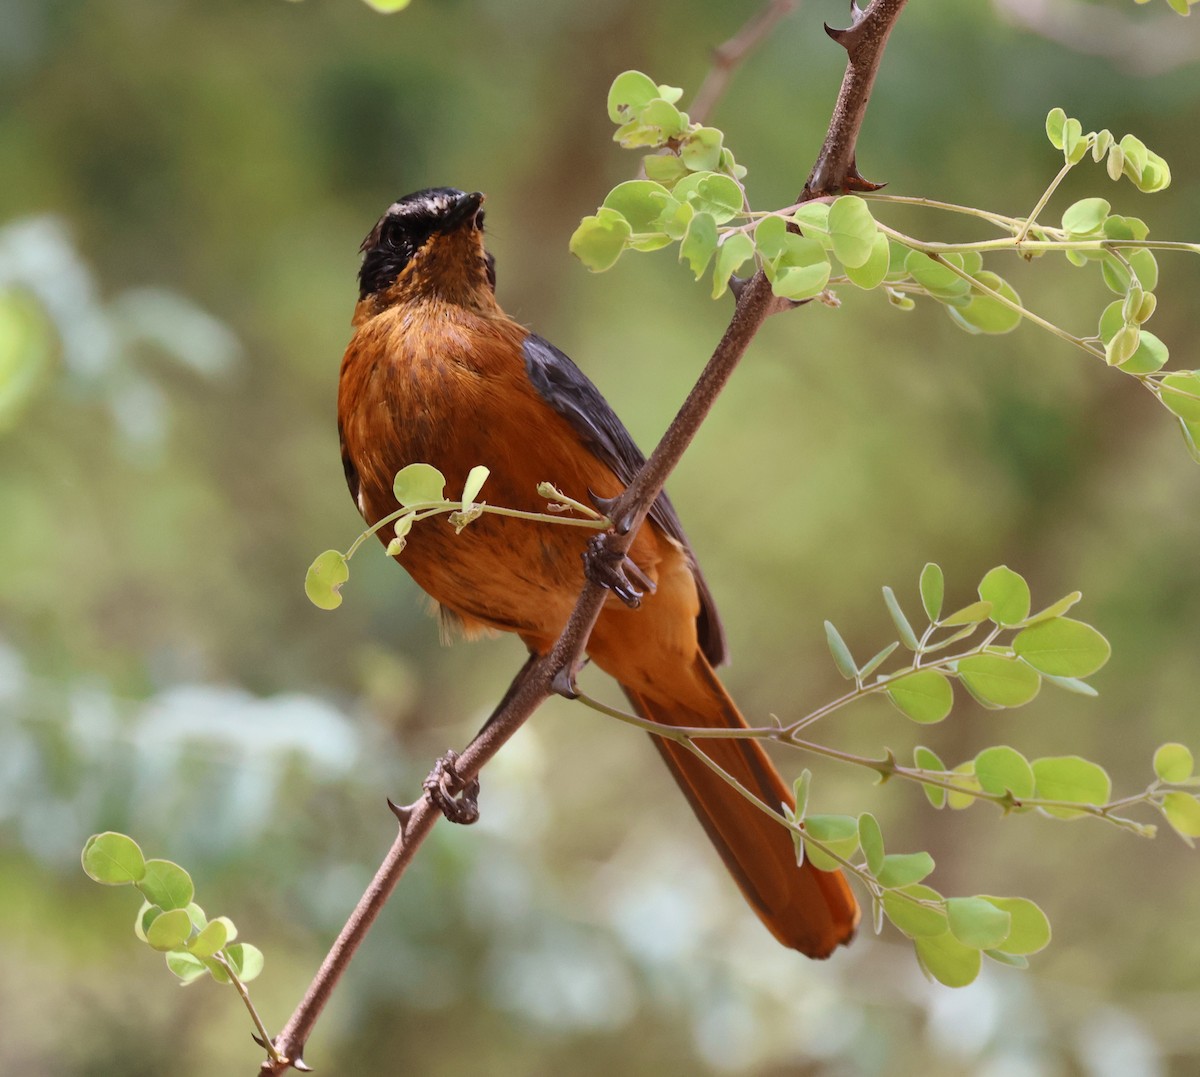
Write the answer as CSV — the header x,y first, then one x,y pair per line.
x,y
456,799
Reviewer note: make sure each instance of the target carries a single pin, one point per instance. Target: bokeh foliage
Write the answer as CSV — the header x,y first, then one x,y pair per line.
x,y
185,188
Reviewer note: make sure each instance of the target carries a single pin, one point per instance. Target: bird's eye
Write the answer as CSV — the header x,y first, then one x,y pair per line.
x,y
479,220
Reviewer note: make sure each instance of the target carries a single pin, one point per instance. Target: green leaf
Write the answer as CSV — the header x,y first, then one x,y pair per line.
x,y
968,615
1182,811
26,351
1141,261
1085,216
936,276
476,477
664,168
1173,763
1071,684
147,914
841,653
963,776
998,681
419,483
1123,345
1055,609
388,7
167,885
701,149
900,870
699,243
1013,961
838,832
731,255
184,965
1062,647
1151,354
247,960
640,202
947,960
1008,593
208,941
1029,930
710,192
169,931
1003,770
813,219
986,314
1180,393
916,921
852,230
873,271
600,240
874,663
1056,119
1072,779
933,590
927,759
197,917
662,120
800,789
924,696
324,579
800,282
907,636
870,840
977,923
113,859
631,91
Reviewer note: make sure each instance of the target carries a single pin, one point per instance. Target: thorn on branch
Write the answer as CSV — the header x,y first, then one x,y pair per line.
x,y
457,800
402,814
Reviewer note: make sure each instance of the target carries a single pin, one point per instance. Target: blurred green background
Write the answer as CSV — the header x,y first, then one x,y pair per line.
x,y
185,185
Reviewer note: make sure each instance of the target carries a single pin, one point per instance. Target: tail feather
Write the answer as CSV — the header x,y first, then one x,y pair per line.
x,y
808,910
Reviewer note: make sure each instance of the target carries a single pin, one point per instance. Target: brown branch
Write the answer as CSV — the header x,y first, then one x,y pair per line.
x,y
864,42
728,57
543,675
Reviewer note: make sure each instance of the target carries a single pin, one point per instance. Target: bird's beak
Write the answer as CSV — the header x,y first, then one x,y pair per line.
x,y
466,208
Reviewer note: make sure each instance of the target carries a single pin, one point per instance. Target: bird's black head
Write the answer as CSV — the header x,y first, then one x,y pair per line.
x,y
405,232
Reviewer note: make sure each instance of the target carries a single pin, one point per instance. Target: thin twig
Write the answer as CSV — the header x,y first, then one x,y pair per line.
x,y
542,675
728,57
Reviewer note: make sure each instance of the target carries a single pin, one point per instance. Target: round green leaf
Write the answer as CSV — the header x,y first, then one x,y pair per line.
x,y
839,832
924,696
1144,264
1183,813
664,168
1181,394
1062,647
700,150
631,91
208,941
947,960
388,7
324,579
113,859
1072,779
1151,354
640,202
170,930
977,923
419,483
247,960
870,840
147,914
1173,763
926,759
1008,593
1086,216
985,313
874,270
185,966
1029,931
599,240
900,870
1056,119
963,776
800,282
936,277
711,192
1003,770
997,681
167,885
916,921
731,255
852,230
699,243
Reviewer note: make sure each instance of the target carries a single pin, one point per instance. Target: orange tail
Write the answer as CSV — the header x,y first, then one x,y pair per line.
x,y
809,910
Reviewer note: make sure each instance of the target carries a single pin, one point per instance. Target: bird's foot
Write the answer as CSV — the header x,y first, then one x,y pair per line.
x,y
612,570
457,800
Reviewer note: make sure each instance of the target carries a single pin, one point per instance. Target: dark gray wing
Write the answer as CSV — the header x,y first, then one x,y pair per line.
x,y
569,392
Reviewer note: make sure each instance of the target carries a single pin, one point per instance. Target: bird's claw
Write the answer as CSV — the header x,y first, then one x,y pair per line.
x,y
613,570
457,800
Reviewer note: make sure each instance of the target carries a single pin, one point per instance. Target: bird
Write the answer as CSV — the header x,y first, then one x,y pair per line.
x,y
436,372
